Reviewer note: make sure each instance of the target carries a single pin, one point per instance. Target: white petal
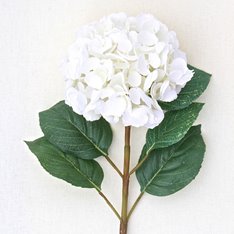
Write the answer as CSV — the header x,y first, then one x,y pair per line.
x,y
94,80
95,46
147,38
150,79
146,99
151,25
114,107
164,56
108,68
187,77
155,118
154,60
138,96
163,33
80,86
121,66
107,44
72,71
91,116
76,99
104,27
178,89
89,92
142,66
180,78
163,88
135,95
119,19
134,79
117,82
94,95
161,75
114,57
91,112
179,64
69,83
133,36
144,20
128,57
155,90
173,39
159,47
93,63
169,95
143,49
137,117
107,92
180,54
124,45
175,76
111,119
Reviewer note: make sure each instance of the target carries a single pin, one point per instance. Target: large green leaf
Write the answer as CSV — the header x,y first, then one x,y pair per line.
x,y
172,129
192,90
170,169
78,172
74,135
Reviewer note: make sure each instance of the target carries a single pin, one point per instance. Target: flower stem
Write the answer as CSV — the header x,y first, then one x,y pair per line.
x,y
114,166
109,204
138,165
125,183
135,204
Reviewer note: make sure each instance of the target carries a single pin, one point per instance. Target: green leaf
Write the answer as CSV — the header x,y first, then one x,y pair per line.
x,y
170,169
172,129
78,172
192,90
72,134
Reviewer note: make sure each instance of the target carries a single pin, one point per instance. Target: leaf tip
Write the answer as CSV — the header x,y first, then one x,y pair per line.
x,y
209,75
27,142
199,105
197,128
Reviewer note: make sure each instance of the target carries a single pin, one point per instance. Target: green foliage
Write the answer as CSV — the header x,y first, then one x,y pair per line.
x,y
78,172
69,145
172,129
192,90
170,169
173,151
72,134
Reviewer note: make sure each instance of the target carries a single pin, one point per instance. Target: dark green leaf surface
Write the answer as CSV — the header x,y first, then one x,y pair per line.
x,y
74,135
170,169
78,172
192,90
172,129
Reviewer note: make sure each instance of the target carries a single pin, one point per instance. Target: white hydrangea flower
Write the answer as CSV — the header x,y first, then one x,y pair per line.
x,y
120,67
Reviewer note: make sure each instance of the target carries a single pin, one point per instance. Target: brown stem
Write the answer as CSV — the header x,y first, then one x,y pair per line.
x,y
114,166
109,204
135,204
125,183
139,164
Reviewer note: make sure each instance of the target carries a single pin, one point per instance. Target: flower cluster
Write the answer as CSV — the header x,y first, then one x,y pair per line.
x,y
120,66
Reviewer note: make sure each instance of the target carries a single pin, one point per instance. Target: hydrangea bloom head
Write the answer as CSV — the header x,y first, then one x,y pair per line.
x,y
120,67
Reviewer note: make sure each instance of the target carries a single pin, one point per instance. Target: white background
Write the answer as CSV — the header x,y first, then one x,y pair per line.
x,y
34,36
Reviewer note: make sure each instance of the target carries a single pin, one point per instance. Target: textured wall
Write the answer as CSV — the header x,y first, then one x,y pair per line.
x,y
34,35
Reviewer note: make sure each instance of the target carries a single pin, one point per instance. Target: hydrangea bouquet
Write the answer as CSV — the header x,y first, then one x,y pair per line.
x,y
129,70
